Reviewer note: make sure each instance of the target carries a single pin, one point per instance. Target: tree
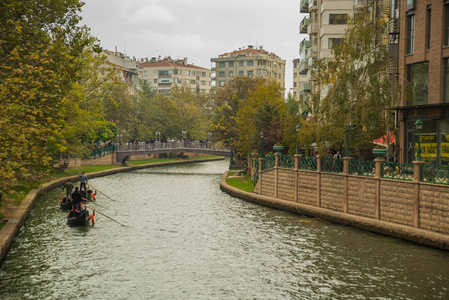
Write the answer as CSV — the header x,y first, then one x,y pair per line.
x,y
41,55
355,86
227,100
262,112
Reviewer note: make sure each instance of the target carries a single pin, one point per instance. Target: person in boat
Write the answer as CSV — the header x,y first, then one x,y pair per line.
x,y
77,200
68,187
83,181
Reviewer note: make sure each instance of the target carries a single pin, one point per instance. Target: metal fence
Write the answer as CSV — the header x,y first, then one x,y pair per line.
x,y
268,162
331,165
435,174
308,163
362,167
287,161
399,171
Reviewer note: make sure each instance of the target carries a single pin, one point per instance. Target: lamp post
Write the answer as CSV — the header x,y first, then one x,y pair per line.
x,y
418,126
298,128
261,146
349,126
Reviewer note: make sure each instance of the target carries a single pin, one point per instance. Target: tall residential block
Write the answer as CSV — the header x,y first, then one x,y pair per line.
x,y
249,61
324,23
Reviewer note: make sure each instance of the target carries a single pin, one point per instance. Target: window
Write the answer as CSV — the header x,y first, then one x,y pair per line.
x,y
336,19
203,74
231,74
446,25
188,73
221,83
250,63
295,84
221,74
241,63
428,18
334,42
241,73
410,34
249,73
231,64
222,65
418,75
446,80
155,80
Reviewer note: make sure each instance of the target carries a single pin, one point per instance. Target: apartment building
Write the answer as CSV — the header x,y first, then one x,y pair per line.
x,y
300,80
324,23
423,74
164,74
125,70
248,61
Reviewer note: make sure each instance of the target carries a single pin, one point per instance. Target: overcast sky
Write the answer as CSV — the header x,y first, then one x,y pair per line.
x,y
196,29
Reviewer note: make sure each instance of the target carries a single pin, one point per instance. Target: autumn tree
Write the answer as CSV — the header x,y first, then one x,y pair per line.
x,y
262,112
42,53
227,99
354,87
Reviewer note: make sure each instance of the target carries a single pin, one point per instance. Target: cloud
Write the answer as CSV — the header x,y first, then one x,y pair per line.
x,y
151,12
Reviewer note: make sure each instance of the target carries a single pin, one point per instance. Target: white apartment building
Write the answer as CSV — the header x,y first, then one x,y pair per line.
x,y
164,74
325,25
249,61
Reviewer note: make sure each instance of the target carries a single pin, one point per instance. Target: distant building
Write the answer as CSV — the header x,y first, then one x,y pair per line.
x,y
125,70
419,44
164,74
248,62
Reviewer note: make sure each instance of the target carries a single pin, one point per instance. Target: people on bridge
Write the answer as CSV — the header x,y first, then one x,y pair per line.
x,y
83,181
68,187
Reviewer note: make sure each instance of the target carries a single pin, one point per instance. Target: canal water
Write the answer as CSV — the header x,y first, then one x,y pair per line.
x,y
185,239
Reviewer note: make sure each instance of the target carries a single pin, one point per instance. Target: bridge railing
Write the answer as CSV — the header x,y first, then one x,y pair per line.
x,y
169,145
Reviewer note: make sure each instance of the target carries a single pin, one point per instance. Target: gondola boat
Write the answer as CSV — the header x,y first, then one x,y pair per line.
x,y
76,219
64,204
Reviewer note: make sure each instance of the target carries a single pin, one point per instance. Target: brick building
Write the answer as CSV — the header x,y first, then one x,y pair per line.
x,y
423,74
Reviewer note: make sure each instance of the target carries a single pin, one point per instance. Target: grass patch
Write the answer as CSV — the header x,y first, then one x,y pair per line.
x,y
151,161
243,183
205,156
76,170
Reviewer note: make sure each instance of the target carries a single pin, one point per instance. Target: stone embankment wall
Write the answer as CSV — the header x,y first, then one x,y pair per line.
x,y
423,208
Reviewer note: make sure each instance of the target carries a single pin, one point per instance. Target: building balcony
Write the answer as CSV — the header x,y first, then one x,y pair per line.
x,y
303,25
312,29
313,53
305,43
304,6
303,67
305,87
313,5
360,4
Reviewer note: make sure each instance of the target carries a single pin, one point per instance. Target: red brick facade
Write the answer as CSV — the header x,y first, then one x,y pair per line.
x,y
423,76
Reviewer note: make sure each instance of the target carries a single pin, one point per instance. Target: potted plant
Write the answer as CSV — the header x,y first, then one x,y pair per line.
x,y
379,151
278,147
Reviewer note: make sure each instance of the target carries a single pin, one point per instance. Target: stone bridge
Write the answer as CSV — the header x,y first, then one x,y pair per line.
x,y
125,151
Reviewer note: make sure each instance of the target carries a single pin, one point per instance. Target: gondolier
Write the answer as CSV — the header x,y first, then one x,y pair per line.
x,y
77,199
68,186
83,181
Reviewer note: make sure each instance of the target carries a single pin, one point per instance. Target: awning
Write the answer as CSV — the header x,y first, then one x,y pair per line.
x,y
383,140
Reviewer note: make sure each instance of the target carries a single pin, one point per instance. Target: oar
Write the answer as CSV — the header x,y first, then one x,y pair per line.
x,y
93,202
104,215
101,192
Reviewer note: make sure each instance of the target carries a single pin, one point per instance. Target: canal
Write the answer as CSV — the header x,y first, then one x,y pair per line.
x,y
185,239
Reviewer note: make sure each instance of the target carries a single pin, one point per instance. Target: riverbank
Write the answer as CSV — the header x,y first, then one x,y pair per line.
x,y
420,236
19,214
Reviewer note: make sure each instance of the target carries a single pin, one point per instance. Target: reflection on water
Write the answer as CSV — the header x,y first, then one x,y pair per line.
x,y
185,239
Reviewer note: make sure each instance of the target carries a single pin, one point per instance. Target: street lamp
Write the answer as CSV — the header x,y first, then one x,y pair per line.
x,y
418,126
349,127
298,128
261,146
